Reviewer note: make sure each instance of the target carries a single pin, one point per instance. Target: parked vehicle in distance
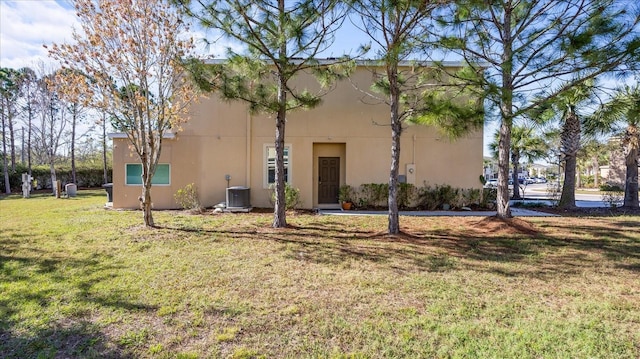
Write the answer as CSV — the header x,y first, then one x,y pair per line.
x,y
492,183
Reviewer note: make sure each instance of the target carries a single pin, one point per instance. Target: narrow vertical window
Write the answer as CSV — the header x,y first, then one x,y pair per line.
x,y
270,165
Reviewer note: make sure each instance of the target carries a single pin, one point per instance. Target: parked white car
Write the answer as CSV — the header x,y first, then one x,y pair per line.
x,y
493,183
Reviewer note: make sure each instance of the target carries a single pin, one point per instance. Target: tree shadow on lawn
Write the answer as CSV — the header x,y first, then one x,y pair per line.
x,y
617,241
74,339
489,244
38,282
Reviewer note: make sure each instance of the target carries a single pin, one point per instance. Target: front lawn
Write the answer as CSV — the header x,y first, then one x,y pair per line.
x,y
79,281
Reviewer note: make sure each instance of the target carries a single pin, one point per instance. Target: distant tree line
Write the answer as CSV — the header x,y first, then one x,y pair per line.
x,y
42,125
88,175
535,63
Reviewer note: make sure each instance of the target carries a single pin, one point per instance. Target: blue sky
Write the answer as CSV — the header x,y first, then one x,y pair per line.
x,y
26,25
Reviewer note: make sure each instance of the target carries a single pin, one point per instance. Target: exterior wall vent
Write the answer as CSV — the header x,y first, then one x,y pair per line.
x,y
238,198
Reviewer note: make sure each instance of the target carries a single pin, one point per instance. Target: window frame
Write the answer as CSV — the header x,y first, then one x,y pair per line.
x,y
265,164
139,165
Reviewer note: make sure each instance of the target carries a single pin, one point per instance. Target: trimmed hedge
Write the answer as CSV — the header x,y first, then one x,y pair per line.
x,y
86,176
427,197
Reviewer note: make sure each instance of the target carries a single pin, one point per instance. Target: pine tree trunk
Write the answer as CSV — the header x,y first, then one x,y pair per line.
x,y
5,169
280,210
506,109
631,160
5,172
12,140
502,195
22,144
396,132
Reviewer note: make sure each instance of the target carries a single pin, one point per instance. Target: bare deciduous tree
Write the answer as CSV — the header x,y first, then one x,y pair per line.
x,y
71,87
49,133
132,53
29,86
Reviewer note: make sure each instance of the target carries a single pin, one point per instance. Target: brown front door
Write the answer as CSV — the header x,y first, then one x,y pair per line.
x,y
329,179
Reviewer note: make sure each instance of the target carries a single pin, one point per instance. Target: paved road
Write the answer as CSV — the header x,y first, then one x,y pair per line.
x,y
539,192
516,212
534,192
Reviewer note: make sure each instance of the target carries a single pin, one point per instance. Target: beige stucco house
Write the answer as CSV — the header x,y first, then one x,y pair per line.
x,y
342,141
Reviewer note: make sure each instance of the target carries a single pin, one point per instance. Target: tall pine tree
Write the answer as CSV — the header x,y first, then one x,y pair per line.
x,y
398,31
282,39
534,50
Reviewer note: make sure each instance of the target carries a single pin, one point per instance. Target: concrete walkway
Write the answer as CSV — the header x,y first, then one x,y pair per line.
x,y
516,212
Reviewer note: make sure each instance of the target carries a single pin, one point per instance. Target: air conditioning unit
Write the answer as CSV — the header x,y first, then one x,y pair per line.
x,y
238,199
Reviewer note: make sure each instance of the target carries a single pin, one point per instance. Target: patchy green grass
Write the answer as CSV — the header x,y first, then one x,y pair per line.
x,y
77,280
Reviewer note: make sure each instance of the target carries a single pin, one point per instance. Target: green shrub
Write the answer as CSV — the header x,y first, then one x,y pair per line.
x,y
427,198
586,181
609,187
538,204
612,194
406,195
472,196
432,198
489,195
345,193
373,195
291,196
187,198
554,191
446,194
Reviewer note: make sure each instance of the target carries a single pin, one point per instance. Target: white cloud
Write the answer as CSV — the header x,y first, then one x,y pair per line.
x,y
26,25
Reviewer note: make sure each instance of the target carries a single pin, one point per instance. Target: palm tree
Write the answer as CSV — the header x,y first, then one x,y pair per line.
x,y
622,115
524,144
590,156
566,110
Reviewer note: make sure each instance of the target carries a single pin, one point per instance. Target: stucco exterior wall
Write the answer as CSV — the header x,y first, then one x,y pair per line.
x,y
222,138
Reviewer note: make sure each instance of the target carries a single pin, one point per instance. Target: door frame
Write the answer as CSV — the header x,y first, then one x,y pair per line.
x,y
321,149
